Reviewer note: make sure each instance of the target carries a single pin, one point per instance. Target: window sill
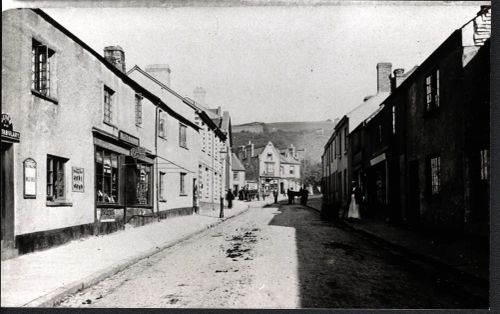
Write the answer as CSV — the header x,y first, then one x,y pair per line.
x,y
138,125
162,137
58,204
42,96
185,147
110,124
183,195
162,201
110,205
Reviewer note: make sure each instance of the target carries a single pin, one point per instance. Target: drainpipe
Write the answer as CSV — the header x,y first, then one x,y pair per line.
x,y
156,162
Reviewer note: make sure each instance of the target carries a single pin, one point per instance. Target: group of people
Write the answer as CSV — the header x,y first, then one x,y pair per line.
x,y
302,193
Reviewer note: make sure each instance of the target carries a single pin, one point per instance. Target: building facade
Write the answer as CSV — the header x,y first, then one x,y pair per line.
x,y
88,158
238,172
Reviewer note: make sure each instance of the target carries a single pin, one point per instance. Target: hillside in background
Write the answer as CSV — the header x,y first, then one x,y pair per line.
x,y
311,136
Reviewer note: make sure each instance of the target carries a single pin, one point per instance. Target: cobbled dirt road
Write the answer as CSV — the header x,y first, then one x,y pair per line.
x,y
273,257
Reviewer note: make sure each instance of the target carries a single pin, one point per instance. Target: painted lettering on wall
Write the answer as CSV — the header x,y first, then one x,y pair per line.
x,y
29,166
107,215
78,180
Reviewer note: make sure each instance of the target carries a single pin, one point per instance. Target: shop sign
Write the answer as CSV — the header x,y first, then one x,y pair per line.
x,y
128,138
107,215
138,152
8,133
78,179
29,166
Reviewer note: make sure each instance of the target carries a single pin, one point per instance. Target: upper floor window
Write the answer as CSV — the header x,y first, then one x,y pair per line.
x,y
380,133
235,175
55,178
292,169
435,175
393,119
41,57
182,135
269,156
432,91
485,164
138,110
269,168
162,125
108,104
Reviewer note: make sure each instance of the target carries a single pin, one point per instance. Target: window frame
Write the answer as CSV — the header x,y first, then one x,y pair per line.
x,y
162,125
183,135
434,171
182,184
162,192
138,110
432,90
40,67
484,165
52,194
105,151
108,100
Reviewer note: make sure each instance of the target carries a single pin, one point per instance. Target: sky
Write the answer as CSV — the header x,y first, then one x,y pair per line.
x,y
273,63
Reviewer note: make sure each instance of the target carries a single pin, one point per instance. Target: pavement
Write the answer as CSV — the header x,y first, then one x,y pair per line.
x,y
468,257
43,278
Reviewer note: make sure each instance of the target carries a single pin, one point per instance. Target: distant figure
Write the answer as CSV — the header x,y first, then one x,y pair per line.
x,y
240,194
196,202
303,196
290,194
275,194
353,212
229,198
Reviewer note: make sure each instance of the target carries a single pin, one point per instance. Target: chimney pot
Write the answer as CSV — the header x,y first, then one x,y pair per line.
x,y
116,56
161,72
384,77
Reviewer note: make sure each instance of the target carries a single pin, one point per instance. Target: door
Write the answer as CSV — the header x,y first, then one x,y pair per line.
x,y
414,193
7,195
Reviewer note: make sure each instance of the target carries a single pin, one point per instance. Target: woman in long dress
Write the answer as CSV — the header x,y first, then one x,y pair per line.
x,y
353,212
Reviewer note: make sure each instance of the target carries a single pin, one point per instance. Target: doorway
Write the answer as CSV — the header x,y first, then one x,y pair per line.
x,y
7,195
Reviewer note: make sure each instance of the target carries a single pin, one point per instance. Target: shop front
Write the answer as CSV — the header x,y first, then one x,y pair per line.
x,y
123,181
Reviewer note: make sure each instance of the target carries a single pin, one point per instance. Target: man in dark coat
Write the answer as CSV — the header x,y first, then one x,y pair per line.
x,y
229,198
275,194
303,196
290,196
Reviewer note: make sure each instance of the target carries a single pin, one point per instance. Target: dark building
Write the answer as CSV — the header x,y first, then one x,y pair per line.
x,y
423,158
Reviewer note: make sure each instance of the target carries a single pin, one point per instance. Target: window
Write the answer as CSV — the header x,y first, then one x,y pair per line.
x,y
485,164
432,91
345,141
108,104
162,125
269,168
235,175
142,184
163,195
393,119
106,170
55,178
41,56
435,175
182,135
183,184
380,133
138,110
292,169
269,156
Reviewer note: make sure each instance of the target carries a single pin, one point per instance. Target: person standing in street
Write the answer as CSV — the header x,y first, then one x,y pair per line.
x,y
229,198
353,212
275,194
196,202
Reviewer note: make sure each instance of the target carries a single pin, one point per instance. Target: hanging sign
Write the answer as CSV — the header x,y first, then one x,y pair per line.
x,y
29,166
78,179
138,152
8,134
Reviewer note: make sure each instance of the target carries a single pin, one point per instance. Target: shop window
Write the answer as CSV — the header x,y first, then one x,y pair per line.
x,y
432,91
138,110
106,167
435,175
41,58
182,135
485,164
55,178
182,184
163,195
108,104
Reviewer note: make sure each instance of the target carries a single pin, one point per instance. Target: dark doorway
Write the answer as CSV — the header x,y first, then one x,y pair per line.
x,y
7,195
414,193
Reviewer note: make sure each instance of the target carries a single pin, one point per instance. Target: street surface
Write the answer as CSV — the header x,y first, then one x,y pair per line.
x,y
273,257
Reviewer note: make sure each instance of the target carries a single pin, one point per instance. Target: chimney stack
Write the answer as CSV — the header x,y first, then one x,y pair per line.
x,y
398,77
199,95
384,77
116,56
161,72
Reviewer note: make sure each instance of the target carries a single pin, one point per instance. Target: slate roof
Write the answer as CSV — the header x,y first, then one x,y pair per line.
x,y
237,165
